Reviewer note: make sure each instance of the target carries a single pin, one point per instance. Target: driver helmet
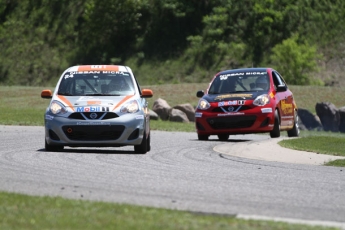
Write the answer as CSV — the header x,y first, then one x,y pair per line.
x,y
261,82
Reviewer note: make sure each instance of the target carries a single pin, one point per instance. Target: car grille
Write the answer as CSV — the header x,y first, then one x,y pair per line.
x,y
230,108
94,132
229,122
88,116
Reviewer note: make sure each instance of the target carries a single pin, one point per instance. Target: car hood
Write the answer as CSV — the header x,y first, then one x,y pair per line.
x,y
232,96
93,103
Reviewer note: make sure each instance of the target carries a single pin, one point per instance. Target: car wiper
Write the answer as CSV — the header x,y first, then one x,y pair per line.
x,y
65,94
101,94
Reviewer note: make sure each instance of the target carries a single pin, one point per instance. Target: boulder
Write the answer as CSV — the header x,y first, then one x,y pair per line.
x,y
178,115
162,108
308,121
153,115
188,109
329,116
342,119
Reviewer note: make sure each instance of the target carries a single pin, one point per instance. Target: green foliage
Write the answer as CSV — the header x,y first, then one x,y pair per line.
x,y
297,61
191,39
37,40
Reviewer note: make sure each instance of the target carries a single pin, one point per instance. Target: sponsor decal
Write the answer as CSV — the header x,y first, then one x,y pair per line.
x,y
139,117
266,110
235,102
286,107
255,73
197,114
93,123
49,117
225,76
115,72
243,95
229,114
68,76
93,109
95,72
241,102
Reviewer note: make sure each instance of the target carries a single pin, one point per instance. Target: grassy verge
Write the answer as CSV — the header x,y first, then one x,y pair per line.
x,y
30,212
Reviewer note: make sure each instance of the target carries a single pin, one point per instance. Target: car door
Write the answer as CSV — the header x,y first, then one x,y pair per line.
x,y
285,101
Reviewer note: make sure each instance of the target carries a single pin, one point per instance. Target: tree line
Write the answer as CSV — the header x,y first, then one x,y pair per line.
x,y
171,41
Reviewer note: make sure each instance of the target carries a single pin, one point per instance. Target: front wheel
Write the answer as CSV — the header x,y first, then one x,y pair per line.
x,y
294,132
223,137
52,148
142,148
276,128
202,137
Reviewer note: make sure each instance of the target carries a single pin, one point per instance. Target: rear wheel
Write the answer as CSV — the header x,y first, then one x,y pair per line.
x,y
142,148
294,132
202,137
276,128
52,148
223,137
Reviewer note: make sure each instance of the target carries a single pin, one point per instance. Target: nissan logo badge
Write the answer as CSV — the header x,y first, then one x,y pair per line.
x,y
93,115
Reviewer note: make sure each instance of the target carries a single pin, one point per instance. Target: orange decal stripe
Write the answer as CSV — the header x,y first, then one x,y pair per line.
x,y
94,102
63,99
98,67
123,100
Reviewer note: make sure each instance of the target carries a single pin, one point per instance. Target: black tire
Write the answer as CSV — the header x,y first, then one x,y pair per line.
x,y
223,137
202,137
142,148
148,143
52,148
276,129
294,132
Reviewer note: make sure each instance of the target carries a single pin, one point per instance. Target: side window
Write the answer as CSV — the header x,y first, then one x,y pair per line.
x,y
277,79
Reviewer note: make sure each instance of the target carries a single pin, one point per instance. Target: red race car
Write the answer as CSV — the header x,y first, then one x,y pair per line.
x,y
243,101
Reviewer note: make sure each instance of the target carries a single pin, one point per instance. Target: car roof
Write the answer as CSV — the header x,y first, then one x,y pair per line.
x,y
80,68
256,69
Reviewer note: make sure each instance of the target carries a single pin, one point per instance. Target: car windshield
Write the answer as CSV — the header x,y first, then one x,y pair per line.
x,y
101,83
239,82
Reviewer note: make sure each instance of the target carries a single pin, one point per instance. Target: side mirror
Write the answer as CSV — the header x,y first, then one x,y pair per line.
x,y
200,93
281,88
146,93
46,94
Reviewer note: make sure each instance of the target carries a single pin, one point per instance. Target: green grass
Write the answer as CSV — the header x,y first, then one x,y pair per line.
x,y
321,143
30,212
318,144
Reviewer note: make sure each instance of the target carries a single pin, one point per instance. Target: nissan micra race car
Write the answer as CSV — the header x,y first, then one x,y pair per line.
x,y
243,101
97,106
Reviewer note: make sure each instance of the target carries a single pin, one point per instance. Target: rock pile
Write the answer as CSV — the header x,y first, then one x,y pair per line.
x,y
328,118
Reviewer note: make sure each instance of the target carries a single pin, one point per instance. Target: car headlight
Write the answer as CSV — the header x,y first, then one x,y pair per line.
x,y
203,104
130,107
262,100
57,108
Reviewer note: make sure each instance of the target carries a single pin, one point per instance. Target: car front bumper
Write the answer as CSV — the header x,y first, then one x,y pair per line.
x,y
259,120
124,130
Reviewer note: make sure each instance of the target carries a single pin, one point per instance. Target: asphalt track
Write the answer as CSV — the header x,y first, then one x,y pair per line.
x,y
179,173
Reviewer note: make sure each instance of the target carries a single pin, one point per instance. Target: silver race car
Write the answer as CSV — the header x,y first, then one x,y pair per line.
x,y
97,106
